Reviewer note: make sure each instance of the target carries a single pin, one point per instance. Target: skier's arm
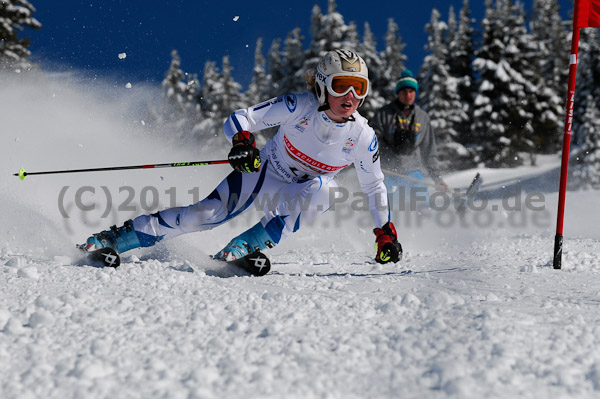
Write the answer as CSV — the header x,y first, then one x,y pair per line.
x,y
387,247
267,114
370,177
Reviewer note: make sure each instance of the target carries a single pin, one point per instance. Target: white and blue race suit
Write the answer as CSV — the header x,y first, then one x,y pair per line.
x,y
294,182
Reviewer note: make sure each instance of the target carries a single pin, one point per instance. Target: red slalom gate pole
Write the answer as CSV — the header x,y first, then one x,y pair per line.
x,y
558,239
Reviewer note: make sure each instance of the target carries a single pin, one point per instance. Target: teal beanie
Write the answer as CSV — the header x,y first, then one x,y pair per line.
x,y
406,80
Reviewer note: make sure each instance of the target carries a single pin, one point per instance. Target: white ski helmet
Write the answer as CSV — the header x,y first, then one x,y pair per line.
x,y
337,65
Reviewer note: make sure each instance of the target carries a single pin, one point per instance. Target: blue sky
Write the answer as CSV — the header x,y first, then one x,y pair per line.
x,y
91,34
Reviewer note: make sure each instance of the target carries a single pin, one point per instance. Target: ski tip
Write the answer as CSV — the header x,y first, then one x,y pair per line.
x,y
261,264
256,263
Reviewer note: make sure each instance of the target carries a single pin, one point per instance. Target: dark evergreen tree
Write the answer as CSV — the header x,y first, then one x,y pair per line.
x,y
181,89
176,112
211,89
220,96
586,171
259,86
550,39
368,51
229,98
292,65
461,52
588,79
329,32
351,40
15,15
439,96
393,58
275,68
501,128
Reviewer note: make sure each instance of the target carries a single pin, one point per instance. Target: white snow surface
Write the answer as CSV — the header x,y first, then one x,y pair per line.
x,y
474,309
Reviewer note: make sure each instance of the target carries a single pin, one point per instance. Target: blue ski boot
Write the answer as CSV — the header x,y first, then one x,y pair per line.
x,y
253,239
120,239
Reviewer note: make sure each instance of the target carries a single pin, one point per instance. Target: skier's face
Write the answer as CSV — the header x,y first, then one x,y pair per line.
x,y
340,108
407,96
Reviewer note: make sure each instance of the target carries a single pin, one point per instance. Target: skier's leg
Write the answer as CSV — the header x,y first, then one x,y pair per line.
x,y
232,197
299,205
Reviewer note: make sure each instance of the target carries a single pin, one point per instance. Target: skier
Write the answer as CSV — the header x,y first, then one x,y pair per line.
x,y
408,138
320,133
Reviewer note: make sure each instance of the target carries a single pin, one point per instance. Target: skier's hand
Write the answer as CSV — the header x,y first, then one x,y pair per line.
x,y
386,244
244,156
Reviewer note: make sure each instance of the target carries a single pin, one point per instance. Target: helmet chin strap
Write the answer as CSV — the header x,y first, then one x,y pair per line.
x,y
324,107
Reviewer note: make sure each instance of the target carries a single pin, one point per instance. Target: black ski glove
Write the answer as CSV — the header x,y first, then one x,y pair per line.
x,y
244,156
386,244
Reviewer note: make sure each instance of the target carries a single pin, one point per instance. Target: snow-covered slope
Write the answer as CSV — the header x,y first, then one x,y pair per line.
x,y
474,310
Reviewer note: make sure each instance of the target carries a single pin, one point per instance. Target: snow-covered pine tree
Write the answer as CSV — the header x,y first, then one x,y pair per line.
x,y
259,85
439,96
368,51
501,127
328,33
229,98
588,78
451,31
292,64
178,109
461,52
181,89
351,40
586,171
550,39
15,15
220,96
434,68
210,90
550,33
393,58
334,27
274,68
318,42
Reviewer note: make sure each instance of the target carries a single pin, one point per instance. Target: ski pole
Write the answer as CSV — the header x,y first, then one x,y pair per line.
x,y
472,187
405,177
23,173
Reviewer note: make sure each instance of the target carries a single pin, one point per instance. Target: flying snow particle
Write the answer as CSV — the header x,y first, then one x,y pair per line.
x,y
235,19
122,56
128,86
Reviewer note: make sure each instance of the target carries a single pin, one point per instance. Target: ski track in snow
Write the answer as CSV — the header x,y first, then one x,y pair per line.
x,y
467,313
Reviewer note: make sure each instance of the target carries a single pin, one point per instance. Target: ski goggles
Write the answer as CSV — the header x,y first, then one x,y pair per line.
x,y
339,84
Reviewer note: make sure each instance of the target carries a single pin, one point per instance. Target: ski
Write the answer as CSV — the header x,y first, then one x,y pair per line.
x,y
104,256
255,263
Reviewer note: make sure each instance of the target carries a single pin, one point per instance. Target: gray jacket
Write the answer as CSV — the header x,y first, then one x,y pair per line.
x,y
406,143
